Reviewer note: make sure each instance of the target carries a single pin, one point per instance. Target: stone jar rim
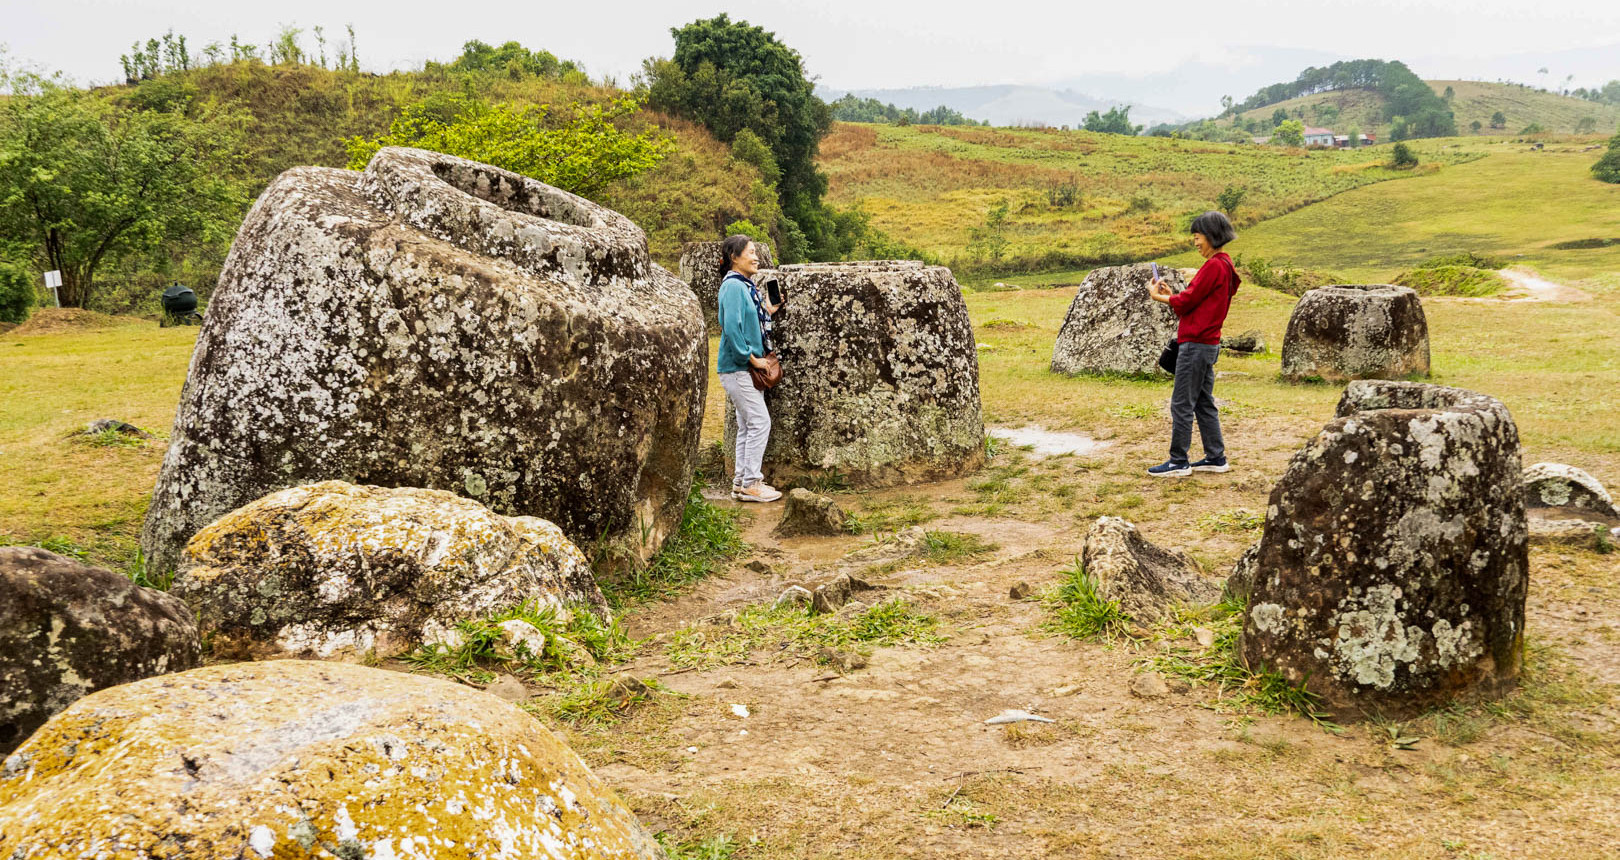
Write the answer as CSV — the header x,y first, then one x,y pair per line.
x,y
497,213
1380,290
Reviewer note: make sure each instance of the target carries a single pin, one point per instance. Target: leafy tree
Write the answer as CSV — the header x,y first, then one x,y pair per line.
x,y
1355,138
1403,158
1405,94
747,228
582,154
1533,128
851,108
731,76
16,292
1586,125
989,242
516,61
1498,120
85,181
1116,121
1290,133
1475,126
1230,198
1278,117
1448,95
749,149
1607,168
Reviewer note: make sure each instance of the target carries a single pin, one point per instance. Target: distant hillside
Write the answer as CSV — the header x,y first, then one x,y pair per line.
x,y
1010,104
1472,101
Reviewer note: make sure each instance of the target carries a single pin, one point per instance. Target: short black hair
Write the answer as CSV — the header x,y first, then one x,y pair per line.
x,y
732,248
1216,228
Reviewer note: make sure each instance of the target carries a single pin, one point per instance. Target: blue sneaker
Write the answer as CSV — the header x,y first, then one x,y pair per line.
x,y
1212,464
1171,469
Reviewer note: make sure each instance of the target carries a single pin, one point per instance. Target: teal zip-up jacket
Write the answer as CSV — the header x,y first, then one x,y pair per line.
x,y
739,325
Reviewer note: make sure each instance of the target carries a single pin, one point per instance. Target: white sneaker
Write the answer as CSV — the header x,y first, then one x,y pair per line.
x,y
760,492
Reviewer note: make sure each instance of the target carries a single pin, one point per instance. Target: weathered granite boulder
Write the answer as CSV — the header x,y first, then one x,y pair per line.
x,y
1147,580
1567,491
435,322
1113,325
1356,331
702,268
67,629
809,514
288,758
1392,571
334,569
882,376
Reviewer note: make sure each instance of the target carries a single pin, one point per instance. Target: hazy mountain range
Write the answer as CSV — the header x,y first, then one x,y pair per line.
x,y
1194,88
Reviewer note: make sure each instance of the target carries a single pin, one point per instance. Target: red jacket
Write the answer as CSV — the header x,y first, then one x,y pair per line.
x,y
1203,305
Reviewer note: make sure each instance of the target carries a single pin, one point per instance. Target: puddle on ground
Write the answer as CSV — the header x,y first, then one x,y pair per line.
x,y
1046,443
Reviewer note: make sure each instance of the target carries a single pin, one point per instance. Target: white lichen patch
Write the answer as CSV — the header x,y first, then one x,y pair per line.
x,y
1374,641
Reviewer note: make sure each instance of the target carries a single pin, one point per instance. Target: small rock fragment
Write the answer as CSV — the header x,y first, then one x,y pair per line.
x,y
739,711
809,514
795,595
1020,590
521,637
1205,636
1148,685
508,688
843,661
1016,716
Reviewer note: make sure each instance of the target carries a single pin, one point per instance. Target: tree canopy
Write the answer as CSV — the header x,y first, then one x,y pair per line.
x,y
1607,168
85,180
852,108
1406,96
732,76
1116,121
583,153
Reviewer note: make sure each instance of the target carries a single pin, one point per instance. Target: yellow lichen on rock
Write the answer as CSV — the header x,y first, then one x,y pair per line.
x,y
335,569
293,759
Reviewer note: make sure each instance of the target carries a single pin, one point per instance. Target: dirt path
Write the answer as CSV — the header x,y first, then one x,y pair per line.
x,y
1527,286
894,759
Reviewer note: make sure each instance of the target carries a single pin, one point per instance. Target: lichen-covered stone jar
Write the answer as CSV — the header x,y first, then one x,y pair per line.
x,y
1356,331
439,323
881,383
1392,572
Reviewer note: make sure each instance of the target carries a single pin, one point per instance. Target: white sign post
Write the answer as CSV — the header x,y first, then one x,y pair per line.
x,y
53,282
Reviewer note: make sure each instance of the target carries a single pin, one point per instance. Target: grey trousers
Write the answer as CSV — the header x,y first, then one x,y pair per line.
x,y
1194,397
753,427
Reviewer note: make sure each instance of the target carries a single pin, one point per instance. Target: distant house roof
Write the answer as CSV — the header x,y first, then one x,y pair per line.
x,y
1313,131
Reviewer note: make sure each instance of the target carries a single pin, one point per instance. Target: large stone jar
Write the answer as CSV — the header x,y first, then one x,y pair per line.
x,y
881,380
1356,331
434,322
296,759
1114,325
1392,572
702,268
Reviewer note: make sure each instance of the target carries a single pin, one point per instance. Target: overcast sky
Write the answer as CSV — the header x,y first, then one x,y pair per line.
x,y
873,43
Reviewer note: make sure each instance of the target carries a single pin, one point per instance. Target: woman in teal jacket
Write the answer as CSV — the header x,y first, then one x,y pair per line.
x,y
744,319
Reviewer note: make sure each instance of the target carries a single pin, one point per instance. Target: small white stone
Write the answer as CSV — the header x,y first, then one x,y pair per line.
x,y
740,711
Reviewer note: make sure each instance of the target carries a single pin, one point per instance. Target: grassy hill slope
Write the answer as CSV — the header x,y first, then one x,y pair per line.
x,y
1514,203
1473,101
1073,198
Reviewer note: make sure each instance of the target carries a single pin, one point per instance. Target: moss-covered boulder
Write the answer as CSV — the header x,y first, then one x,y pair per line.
x,y
1392,572
294,759
67,629
338,570
702,268
881,380
1356,331
435,322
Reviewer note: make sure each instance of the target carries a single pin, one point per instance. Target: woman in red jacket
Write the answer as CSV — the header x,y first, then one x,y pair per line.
x,y
1202,308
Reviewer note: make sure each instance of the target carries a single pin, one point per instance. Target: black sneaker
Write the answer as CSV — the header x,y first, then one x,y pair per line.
x,y
1171,469
1212,464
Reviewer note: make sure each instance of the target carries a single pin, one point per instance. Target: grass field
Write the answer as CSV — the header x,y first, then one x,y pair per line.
x,y
933,187
1473,101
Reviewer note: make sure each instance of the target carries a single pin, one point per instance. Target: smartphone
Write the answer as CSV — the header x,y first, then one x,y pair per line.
x,y
1155,270
773,291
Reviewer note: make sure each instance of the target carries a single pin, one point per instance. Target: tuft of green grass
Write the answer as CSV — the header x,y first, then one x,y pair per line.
x,y
708,538
794,632
139,574
481,647
110,438
718,847
1079,610
890,515
1234,520
942,547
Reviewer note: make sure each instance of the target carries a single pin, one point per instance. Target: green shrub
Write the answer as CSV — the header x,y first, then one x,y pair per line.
x,y
1403,158
1462,258
16,292
1282,276
1451,281
1607,168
